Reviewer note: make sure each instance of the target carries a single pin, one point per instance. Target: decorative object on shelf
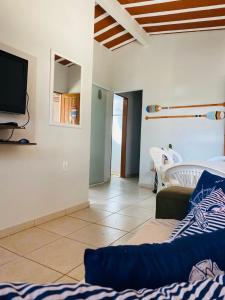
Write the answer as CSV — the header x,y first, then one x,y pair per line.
x,y
157,108
100,94
212,115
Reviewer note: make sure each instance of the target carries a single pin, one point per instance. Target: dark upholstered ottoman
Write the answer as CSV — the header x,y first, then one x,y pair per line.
x,y
172,202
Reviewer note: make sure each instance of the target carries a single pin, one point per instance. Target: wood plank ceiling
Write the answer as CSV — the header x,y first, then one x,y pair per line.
x,y
63,61
159,17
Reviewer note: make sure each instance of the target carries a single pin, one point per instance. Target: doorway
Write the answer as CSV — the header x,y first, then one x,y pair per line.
x,y
126,134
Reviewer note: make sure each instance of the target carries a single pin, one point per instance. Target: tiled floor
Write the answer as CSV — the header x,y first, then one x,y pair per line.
x,y
53,251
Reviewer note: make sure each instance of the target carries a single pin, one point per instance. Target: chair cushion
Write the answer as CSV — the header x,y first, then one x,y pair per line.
x,y
206,185
207,216
155,265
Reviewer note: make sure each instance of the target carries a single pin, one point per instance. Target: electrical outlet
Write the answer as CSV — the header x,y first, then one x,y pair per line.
x,y
65,165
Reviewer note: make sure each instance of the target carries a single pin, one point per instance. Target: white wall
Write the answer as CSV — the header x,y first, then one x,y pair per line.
x,y
103,78
74,83
67,79
61,78
33,182
102,69
98,125
176,69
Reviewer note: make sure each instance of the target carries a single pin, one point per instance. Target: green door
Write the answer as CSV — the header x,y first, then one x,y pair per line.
x,y
98,125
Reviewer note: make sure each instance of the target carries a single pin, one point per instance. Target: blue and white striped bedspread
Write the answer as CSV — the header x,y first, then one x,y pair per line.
x,y
207,216
204,290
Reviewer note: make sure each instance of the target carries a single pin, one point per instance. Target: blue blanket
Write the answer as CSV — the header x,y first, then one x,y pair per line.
x,y
205,289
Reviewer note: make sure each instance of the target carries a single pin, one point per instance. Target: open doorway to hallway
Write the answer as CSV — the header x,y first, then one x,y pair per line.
x,y
115,135
126,134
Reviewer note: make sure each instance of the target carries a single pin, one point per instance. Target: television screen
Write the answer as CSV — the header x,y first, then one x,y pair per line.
x,y
13,83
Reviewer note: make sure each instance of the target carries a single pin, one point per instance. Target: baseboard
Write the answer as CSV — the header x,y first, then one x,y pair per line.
x,y
100,183
96,184
16,228
23,226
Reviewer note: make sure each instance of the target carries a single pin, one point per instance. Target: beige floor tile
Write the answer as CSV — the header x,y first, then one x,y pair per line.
x,y
66,279
123,240
109,206
28,240
97,235
90,214
105,188
64,225
77,273
62,255
136,211
122,222
121,206
23,270
127,200
99,194
141,226
137,191
6,256
148,203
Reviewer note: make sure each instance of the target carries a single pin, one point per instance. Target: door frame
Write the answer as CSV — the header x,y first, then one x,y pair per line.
x,y
124,139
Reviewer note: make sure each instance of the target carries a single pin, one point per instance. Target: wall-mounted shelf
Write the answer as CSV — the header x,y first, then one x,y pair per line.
x,y
13,127
16,143
10,127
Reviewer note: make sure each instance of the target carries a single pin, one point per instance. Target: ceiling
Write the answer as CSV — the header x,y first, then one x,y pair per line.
x,y
159,17
63,61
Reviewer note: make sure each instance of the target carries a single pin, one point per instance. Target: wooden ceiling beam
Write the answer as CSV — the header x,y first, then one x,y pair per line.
x,y
99,11
65,62
122,45
185,26
115,25
173,5
118,41
131,1
109,33
114,9
104,23
182,16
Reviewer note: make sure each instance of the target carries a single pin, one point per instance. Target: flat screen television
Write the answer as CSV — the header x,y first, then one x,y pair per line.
x,y
13,83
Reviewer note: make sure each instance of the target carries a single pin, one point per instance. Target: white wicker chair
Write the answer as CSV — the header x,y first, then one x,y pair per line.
x,y
176,157
187,175
158,156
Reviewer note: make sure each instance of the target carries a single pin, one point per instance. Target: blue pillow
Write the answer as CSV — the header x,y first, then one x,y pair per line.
x,y
155,265
207,216
206,185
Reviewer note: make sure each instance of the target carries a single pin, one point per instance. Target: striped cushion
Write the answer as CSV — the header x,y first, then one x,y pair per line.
x,y
207,184
205,289
207,216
